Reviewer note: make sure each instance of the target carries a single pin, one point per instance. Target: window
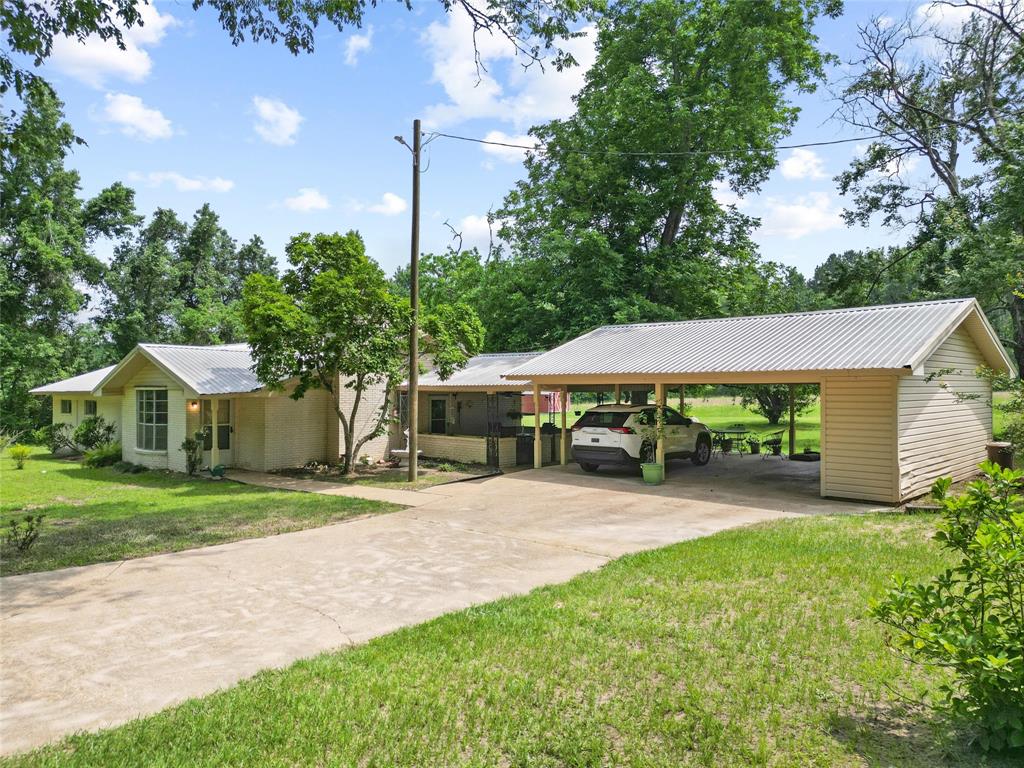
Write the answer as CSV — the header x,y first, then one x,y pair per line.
x,y
151,419
90,407
675,419
223,424
438,416
610,419
65,406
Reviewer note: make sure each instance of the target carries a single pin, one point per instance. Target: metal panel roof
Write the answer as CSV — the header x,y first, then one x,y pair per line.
x,y
219,370
481,372
881,337
83,383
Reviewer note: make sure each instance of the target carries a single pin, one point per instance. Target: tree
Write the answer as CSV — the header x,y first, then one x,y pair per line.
x,y
333,322
939,96
31,27
772,400
46,261
618,216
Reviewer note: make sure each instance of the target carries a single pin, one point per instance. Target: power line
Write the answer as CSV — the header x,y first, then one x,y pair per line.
x,y
571,150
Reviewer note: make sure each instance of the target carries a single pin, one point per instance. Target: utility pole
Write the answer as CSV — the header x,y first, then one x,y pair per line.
x,y
412,394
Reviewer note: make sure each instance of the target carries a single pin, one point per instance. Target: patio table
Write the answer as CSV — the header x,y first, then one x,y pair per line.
x,y
736,434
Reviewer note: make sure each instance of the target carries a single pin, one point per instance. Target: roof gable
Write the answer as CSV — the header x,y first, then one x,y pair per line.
x,y
480,372
218,370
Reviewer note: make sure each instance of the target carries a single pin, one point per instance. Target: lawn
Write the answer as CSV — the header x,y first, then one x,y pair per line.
x,y
98,515
746,648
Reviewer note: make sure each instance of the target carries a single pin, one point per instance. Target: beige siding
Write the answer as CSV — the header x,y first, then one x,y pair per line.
x,y
109,408
940,436
173,458
858,416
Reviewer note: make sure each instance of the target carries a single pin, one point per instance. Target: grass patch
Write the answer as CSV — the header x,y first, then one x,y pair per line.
x,y
98,515
747,648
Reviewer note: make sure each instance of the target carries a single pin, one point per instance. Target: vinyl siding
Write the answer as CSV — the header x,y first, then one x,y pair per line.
x,y
859,438
939,436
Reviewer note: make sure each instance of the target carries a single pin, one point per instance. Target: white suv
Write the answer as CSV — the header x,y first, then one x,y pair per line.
x,y
610,434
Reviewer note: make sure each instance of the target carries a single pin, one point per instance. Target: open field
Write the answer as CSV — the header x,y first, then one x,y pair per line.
x,y
98,515
749,647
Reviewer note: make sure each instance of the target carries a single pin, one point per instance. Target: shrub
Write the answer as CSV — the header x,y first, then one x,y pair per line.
x,y
128,468
193,448
56,437
970,619
93,432
23,534
7,438
20,454
103,456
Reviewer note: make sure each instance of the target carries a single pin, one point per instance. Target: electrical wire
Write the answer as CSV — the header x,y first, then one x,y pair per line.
x,y
542,148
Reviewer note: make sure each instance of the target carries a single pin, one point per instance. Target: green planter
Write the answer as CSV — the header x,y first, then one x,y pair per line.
x,y
654,474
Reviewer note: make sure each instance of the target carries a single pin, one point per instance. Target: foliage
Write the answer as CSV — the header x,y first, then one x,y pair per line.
x,y
46,262
772,400
103,455
56,437
22,534
193,448
1012,406
128,467
651,426
93,432
970,619
8,438
333,322
19,454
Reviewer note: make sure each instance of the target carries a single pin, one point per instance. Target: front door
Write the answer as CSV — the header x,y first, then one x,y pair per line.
x,y
438,417
224,432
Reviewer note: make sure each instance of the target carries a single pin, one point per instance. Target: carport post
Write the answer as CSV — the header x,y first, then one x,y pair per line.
x,y
682,399
659,401
214,442
565,396
538,460
618,394
792,419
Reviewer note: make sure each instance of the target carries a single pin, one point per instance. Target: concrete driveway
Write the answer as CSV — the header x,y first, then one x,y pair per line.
x,y
85,648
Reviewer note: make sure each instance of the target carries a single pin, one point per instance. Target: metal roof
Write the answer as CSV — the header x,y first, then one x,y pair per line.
x,y
481,372
83,383
219,370
880,337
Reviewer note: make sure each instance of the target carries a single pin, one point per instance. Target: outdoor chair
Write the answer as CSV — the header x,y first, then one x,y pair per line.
x,y
771,445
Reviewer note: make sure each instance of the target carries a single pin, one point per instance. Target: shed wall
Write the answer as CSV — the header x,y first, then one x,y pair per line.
x,y
858,438
939,433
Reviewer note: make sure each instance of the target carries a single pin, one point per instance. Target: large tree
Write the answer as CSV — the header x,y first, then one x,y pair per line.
x,y
620,210
47,266
334,322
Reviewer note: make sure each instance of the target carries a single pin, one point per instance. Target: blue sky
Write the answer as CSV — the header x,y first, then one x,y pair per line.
x,y
280,144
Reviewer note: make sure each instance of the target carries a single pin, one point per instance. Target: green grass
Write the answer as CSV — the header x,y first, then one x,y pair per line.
x,y
747,648
98,515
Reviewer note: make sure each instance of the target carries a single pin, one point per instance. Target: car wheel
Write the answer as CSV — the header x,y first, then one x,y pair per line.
x,y
589,467
702,455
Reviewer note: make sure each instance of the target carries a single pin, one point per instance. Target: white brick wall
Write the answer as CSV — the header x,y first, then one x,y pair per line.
x,y
147,377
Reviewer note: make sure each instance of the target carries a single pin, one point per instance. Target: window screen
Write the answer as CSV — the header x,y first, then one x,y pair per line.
x,y
151,419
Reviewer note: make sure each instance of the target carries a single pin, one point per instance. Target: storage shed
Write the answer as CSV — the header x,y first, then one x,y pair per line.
x,y
901,404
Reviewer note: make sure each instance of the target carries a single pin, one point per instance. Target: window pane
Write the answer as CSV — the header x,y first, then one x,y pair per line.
x,y
65,406
90,407
224,436
224,412
140,436
207,438
207,412
160,438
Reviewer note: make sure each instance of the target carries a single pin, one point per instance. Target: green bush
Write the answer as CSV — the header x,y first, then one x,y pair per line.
x,y
93,432
128,468
970,619
193,448
22,534
20,454
56,437
103,456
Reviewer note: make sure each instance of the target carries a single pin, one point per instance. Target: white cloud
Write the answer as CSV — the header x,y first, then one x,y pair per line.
x,y
476,232
184,183
803,164
390,205
528,96
357,44
308,199
801,216
508,154
276,122
724,195
92,61
135,119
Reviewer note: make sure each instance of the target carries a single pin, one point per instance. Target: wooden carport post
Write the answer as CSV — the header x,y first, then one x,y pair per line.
x,y
214,438
792,419
659,401
618,394
538,454
682,399
565,397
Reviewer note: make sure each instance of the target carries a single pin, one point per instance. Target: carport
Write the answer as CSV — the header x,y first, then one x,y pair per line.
x,y
901,403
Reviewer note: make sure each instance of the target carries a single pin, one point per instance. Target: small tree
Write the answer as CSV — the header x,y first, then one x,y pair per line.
x,y
193,449
93,432
333,323
772,400
970,619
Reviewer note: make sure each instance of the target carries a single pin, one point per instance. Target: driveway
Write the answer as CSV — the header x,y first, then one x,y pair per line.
x,y
85,648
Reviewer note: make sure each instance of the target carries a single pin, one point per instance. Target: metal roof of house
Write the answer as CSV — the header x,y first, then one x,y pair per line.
x,y
880,337
219,370
481,372
83,383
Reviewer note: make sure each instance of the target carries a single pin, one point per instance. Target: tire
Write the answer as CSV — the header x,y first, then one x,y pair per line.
x,y
587,467
702,455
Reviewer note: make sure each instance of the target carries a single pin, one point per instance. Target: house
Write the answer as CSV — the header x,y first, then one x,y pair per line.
x,y
159,394
892,381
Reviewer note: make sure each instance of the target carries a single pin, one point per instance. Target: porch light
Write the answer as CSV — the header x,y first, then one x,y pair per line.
x,y
193,406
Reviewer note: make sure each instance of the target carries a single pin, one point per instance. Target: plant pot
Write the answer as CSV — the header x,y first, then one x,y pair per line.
x,y
654,474
727,445
755,448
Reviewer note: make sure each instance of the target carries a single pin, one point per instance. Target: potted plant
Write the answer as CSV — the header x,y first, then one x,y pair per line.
x,y
754,444
651,428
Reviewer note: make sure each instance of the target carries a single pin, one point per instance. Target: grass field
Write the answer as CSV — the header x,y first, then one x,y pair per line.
x,y
97,515
747,648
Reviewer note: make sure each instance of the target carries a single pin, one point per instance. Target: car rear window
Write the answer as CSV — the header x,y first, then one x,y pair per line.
x,y
602,419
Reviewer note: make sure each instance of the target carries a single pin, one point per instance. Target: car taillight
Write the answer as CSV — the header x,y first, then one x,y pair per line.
x,y
576,427
621,430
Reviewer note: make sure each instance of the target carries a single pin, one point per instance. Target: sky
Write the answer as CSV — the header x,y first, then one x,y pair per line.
x,y
281,144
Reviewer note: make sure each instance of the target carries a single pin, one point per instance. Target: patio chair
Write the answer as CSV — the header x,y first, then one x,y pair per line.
x,y
771,445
